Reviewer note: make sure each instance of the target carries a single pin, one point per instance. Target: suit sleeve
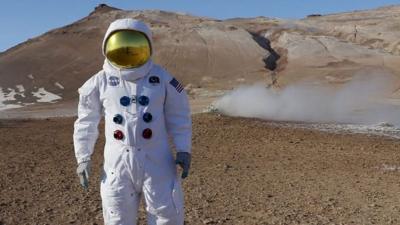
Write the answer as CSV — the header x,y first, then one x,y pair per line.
x,y
177,115
89,115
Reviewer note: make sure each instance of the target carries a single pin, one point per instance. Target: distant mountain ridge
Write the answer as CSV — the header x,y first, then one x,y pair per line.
x,y
44,73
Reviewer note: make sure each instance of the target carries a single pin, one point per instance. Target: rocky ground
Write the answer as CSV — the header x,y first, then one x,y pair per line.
x,y
244,171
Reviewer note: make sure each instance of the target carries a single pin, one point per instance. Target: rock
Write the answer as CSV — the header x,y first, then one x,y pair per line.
x,y
208,221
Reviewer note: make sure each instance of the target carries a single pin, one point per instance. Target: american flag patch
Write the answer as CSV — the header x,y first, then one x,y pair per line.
x,y
178,86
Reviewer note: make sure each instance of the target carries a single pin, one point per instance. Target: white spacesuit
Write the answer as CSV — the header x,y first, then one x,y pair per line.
x,y
143,106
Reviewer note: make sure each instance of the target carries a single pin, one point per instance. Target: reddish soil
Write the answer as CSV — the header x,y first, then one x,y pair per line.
x,y
244,171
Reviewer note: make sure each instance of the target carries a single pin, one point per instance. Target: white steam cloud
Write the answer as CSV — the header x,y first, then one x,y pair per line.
x,y
363,100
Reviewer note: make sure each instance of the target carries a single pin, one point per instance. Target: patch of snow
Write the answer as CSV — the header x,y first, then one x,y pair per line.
x,y
7,97
45,96
30,76
11,95
9,106
59,85
20,88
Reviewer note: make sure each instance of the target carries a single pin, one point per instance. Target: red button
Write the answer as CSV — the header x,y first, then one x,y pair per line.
x,y
147,133
118,135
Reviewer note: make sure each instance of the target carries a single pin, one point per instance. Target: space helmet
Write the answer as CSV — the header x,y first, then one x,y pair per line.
x,y
128,46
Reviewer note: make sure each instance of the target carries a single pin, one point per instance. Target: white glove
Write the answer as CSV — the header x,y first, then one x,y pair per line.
x,y
83,172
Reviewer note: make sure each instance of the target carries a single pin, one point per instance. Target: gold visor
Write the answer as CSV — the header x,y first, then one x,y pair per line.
x,y
128,49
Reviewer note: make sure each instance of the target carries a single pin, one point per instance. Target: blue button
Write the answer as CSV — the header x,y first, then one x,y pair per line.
x,y
143,100
147,117
125,101
118,119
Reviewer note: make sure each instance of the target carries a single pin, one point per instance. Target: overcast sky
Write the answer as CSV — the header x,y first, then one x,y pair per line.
x,y
23,19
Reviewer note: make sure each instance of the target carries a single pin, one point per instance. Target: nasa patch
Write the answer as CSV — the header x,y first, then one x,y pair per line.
x,y
113,81
154,80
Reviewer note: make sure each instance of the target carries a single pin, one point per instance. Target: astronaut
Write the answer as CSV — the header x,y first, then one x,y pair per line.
x,y
144,107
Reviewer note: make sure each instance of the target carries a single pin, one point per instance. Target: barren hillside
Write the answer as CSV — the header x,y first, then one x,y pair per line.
x,y
40,77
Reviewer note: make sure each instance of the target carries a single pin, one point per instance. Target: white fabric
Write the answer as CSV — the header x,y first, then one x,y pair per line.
x,y
134,165
128,74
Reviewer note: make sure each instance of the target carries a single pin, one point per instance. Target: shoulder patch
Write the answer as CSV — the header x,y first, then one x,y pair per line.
x,y
178,86
154,80
113,81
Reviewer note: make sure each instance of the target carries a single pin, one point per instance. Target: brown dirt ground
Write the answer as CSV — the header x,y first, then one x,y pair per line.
x,y
244,171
